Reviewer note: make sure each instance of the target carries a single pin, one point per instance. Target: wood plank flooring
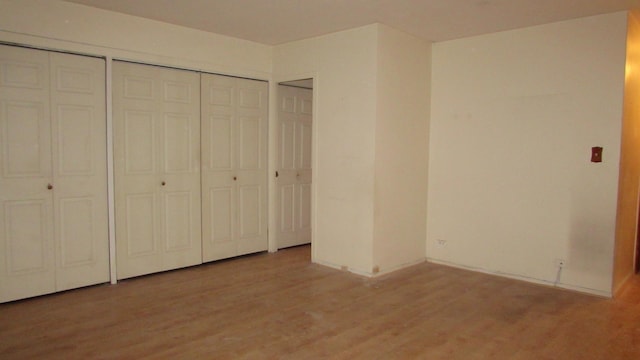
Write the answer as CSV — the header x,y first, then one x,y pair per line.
x,y
280,306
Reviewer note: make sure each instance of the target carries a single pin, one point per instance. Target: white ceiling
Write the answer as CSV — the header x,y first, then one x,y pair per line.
x,y
279,21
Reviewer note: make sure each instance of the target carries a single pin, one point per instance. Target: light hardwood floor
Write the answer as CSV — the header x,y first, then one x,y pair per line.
x,y
279,306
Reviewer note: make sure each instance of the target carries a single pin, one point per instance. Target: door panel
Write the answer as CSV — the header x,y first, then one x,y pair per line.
x,y
141,225
178,92
234,128
76,227
138,250
304,212
157,168
219,203
250,143
222,200
287,208
138,87
27,262
252,113
19,71
180,173
75,130
177,144
79,151
287,155
250,96
252,236
294,166
220,90
24,125
305,144
178,217
27,230
221,145
75,79
249,211
220,232
139,147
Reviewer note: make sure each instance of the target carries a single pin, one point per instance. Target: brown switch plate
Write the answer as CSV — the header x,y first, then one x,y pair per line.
x,y
596,154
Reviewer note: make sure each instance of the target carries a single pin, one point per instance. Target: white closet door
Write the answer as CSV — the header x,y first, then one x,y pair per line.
x,y
234,158
27,263
219,191
252,144
294,166
79,169
53,191
157,168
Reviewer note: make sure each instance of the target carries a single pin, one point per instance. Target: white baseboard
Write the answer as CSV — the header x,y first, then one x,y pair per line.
x,y
606,294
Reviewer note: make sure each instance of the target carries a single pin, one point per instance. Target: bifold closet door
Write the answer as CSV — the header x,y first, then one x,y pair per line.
x,y
294,166
26,213
157,168
53,191
234,165
79,144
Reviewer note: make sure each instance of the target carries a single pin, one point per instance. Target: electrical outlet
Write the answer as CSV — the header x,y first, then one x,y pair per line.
x,y
441,242
561,263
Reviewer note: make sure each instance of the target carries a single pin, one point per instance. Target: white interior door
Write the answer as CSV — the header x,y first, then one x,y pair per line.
x,y
79,148
157,168
234,163
53,211
294,166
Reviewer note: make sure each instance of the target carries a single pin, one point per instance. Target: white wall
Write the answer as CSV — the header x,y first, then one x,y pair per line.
x,y
66,26
371,116
401,149
514,116
343,66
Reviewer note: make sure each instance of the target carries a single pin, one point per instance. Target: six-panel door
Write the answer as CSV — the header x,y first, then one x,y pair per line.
x,y
79,145
234,164
157,168
293,199
53,192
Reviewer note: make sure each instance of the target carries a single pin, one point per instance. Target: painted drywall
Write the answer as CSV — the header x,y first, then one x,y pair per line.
x,y
514,117
629,178
72,27
343,66
401,149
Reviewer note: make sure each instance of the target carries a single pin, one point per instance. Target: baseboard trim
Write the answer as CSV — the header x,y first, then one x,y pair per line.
x,y
393,269
585,290
370,274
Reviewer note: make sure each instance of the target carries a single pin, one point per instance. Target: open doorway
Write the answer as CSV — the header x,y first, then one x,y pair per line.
x,y
293,169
